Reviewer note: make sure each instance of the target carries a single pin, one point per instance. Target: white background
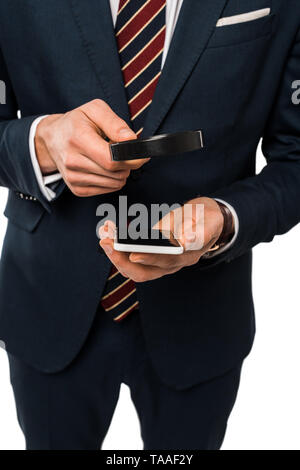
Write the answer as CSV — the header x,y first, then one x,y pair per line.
x,y
267,412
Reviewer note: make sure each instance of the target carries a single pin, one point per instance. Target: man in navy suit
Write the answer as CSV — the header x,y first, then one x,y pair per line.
x,y
78,321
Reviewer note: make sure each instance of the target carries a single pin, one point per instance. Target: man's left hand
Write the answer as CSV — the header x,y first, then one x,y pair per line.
x,y
197,237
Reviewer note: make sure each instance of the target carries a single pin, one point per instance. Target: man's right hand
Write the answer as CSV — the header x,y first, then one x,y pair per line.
x,y
73,144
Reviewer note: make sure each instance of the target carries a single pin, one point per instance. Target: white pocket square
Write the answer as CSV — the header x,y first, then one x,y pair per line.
x,y
252,15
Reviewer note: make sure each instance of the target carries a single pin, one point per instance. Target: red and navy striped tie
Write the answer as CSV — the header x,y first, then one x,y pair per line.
x,y
140,34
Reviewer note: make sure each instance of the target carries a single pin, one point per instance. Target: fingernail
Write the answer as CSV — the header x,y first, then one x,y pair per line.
x,y
137,260
124,274
105,233
126,133
190,237
107,249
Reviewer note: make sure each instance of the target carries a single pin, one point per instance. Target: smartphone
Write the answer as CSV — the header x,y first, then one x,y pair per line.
x,y
157,241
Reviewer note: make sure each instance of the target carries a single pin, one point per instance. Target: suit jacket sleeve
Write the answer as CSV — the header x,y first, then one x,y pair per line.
x,y
268,204
16,170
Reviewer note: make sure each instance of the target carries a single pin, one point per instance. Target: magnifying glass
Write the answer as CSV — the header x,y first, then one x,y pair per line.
x,y
157,146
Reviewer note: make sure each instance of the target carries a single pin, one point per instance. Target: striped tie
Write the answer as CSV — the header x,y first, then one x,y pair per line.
x,y
140,34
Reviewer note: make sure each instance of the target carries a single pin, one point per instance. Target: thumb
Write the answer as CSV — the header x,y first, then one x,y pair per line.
x,y
192,237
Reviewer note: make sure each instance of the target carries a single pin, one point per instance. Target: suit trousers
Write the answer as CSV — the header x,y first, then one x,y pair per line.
x,y
72,409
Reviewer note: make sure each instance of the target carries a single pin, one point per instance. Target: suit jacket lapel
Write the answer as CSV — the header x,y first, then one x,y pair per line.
x,y
94,21
196,23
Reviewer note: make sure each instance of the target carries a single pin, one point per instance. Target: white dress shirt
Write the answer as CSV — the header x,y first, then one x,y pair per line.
x,y
172,12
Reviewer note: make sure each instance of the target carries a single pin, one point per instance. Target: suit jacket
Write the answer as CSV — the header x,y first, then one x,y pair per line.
x,y
234,83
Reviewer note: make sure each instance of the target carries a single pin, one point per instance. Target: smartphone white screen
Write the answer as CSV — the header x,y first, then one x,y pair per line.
x,y
156,241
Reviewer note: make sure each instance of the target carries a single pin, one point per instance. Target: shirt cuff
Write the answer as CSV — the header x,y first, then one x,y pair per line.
x,y
236,231
43,181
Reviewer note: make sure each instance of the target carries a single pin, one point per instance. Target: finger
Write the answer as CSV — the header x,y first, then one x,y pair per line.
x,y
110,224
85,180
134,271
96,149
93,147
197,239
115,128
89,191
187,230
83,163
107,230
134,164
159,260
192,236
118,258
169,262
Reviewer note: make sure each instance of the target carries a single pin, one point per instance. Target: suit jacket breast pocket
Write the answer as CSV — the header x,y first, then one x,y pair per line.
x,y
242,32
24,213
